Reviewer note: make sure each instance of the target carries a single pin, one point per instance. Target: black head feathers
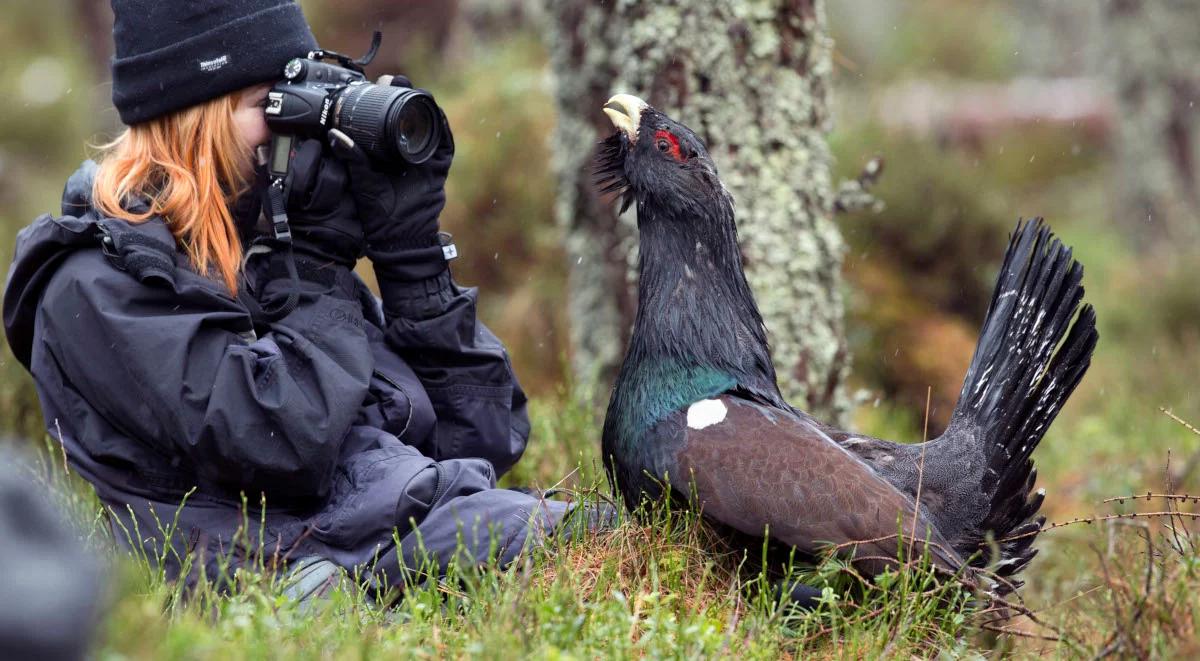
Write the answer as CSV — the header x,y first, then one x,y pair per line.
x,y
610,169
652,159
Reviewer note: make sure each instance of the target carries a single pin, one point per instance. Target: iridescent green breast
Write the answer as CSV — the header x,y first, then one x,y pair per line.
x,y
653,390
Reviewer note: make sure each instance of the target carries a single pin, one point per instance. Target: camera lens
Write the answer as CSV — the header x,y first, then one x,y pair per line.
x,y
389,123
414,127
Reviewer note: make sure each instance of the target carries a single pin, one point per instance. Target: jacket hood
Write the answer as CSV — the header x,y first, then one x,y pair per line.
x,y
43,246
77,193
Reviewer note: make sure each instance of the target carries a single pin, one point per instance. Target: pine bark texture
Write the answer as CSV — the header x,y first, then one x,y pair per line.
x,y
1153,48
752,78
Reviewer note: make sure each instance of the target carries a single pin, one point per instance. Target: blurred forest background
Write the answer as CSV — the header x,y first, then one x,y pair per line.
x,y
982,112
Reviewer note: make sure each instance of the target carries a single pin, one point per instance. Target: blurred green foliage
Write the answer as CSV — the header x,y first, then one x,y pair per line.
x,y
921,271
945,38
50,116
500,203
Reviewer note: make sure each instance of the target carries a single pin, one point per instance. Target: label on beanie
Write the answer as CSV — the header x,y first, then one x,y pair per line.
x,y
214,64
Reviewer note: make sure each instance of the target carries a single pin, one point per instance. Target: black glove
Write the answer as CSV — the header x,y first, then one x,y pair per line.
x,y
399,208
321,211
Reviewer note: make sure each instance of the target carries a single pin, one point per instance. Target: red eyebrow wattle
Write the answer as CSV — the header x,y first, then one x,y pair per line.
x,y
662,134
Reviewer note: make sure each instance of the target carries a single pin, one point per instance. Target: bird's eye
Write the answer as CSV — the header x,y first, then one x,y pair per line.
x,y
668,144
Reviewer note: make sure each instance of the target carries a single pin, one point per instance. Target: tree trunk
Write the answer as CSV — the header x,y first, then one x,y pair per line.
x,y
1152,53
752,78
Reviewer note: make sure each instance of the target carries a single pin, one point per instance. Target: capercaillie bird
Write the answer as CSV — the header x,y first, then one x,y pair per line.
x,y
696,409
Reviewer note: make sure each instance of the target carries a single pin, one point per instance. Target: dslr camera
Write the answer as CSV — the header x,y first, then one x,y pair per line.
x,y
391,121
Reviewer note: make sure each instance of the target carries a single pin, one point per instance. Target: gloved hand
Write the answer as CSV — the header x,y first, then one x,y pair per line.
x,y
399,208
321,211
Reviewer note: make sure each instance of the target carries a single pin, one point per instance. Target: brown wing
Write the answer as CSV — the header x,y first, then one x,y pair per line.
x,y
758,469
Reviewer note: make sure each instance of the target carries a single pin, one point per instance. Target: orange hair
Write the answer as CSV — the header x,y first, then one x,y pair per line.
x,y
187,165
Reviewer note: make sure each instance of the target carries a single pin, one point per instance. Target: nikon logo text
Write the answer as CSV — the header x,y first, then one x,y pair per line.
x,y
325,109
214,64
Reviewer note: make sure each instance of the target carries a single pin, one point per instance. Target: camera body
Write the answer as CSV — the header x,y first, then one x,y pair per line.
x,y
390,122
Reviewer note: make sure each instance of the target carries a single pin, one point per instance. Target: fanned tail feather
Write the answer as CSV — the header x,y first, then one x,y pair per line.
x,y
1020,377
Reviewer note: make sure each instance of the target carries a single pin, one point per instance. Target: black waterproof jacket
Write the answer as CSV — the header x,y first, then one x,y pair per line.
x,y
341,425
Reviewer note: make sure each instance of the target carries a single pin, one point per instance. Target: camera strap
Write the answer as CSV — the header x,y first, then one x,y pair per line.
x,y
276,207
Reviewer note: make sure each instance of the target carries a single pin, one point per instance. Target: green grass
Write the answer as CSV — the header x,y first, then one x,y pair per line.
x,y
662,585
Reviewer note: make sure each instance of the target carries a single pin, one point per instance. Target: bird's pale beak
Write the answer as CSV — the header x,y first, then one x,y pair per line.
x,y
625,111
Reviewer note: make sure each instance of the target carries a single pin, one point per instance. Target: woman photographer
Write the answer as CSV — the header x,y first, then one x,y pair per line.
x,y
179,364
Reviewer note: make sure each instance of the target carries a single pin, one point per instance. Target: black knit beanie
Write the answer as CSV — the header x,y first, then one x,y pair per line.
x,y
171,54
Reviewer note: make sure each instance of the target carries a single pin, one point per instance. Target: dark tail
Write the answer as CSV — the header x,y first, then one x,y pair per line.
x,y
1022,373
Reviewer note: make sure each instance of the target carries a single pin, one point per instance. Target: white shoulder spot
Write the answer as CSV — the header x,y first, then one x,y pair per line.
x,y
705,413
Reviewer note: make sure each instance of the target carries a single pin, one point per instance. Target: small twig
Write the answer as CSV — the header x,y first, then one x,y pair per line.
x,y
1123,638
62,445
1176,542
855,194
1021,609
1148,587
1095,519
1114,640
1194,460
1148,495
1181,421
856,542
841,58
1068,600
566,477
1019,633
833,548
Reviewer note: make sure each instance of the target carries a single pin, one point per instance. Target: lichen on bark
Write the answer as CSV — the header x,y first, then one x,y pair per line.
x,y
752,78
1150,58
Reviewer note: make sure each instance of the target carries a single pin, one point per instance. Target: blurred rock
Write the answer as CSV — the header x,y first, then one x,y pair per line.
x,y
969,112
49,587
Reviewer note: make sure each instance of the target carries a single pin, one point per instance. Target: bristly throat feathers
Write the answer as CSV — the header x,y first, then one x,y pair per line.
x,y
697,332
